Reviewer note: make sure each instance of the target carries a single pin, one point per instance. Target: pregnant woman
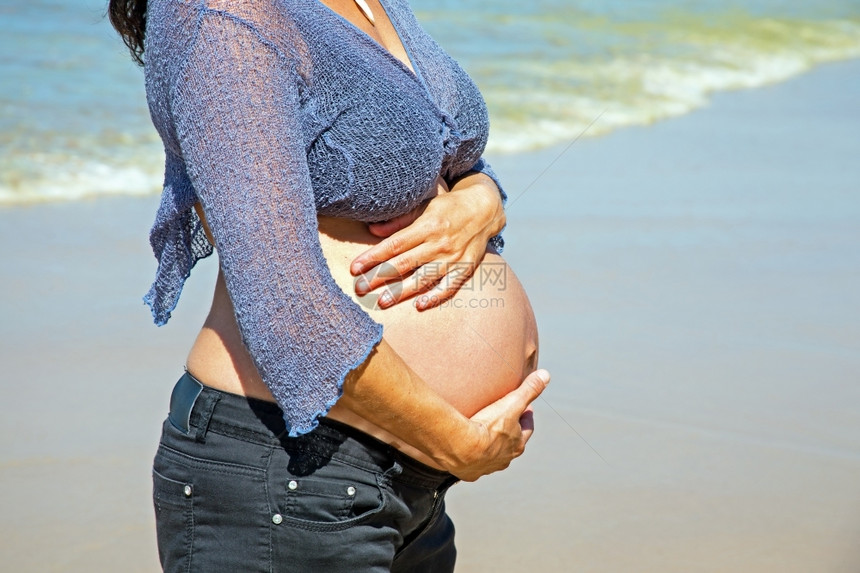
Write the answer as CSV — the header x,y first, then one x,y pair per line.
x,y
301,438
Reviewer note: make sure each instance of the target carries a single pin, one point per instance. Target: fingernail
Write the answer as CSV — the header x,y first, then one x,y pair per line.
x,y
385,299
362,287
543,376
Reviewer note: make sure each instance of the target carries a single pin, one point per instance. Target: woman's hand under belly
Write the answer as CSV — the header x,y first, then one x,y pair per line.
x,y
474,348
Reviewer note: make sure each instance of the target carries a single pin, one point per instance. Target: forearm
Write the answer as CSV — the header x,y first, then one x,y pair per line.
x,y
386,392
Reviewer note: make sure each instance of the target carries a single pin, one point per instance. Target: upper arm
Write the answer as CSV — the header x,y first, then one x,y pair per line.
x,y
235,106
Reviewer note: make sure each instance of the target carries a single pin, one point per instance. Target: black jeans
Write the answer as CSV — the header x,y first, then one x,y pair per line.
x,y
232,493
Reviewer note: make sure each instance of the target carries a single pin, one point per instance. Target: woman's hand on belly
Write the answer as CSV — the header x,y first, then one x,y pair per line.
x,y
434,248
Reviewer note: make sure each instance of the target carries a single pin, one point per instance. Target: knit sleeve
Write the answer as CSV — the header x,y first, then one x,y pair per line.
x,y
234,104
497,242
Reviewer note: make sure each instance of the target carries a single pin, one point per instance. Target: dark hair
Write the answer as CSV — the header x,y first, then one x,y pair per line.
x,y
129,19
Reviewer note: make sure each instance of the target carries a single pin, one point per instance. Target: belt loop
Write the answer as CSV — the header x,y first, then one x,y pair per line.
x,y
207,402
395,470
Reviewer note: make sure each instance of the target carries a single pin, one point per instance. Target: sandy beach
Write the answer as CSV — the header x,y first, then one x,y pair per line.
x,y
697,287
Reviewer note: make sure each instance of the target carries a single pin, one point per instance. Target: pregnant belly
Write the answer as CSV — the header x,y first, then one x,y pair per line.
x,y
472,349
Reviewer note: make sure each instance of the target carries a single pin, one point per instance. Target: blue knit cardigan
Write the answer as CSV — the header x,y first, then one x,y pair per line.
x,y
275,111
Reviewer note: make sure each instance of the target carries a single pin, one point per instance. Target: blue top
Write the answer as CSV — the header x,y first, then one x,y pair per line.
x,y
275,111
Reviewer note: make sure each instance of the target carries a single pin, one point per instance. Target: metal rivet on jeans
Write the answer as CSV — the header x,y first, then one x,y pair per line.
x,y
187,491
293,484
350,490
277,519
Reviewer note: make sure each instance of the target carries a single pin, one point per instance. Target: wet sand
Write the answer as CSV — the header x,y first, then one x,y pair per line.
x,y
697,286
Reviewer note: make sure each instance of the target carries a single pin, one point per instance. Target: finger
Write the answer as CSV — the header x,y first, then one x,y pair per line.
x,y
387,249
516,402
387,228
406,268
530,389
457,275
527,423
418,282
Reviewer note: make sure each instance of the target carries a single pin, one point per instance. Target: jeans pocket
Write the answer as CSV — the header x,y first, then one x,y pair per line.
x,y
335,498
174,521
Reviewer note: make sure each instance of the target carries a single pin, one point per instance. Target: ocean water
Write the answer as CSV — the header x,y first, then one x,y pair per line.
x,y
73,118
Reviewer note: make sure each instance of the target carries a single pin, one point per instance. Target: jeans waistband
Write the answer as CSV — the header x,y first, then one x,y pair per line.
x,y
196,409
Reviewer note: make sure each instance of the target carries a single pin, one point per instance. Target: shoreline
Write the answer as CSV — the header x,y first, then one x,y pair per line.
x,y
693,280
96,173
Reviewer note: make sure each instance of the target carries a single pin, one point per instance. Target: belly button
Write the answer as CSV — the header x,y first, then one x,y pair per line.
x,y
531,361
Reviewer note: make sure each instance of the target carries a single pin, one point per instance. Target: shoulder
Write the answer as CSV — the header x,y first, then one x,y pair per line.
x,y
275,23
272,20
260,14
